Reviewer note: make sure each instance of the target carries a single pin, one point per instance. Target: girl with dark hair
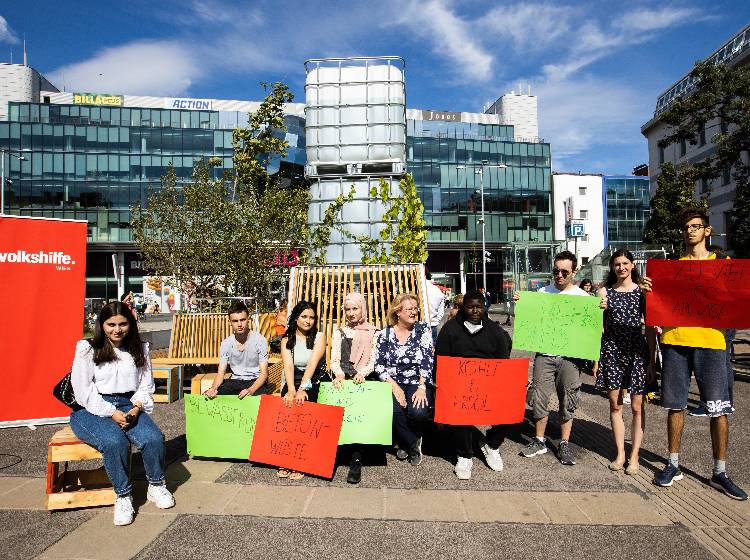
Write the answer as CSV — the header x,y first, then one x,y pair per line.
x,y
112,382
302,353
623,362
587,286
471,334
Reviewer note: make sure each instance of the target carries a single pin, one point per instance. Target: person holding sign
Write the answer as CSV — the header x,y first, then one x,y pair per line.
x,y
471,334
624,354
702,351
112,383
353,357
302,353
556,373
246,352
405,360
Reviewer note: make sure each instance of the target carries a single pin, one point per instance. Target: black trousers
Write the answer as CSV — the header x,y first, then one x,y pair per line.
x,y
463,438
235,386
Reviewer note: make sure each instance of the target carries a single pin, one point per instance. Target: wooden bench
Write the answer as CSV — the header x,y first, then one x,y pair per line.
x,y
68,489
173,377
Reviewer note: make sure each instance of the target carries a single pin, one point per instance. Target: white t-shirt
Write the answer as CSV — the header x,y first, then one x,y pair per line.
x,y
436,301
574,291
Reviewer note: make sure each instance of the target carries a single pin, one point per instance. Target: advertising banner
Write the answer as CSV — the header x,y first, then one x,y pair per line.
x,y
220,427
693,293
558,324
368,411
158,291
301,437
480,392
42,288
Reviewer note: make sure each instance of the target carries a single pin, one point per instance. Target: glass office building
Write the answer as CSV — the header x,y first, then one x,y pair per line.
x,y
443,156
93,163
627,210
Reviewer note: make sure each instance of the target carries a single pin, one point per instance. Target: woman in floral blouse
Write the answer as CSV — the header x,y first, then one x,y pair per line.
x,y
405,360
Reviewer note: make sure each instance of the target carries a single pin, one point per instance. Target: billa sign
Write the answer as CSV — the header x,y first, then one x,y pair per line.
x,y
106,99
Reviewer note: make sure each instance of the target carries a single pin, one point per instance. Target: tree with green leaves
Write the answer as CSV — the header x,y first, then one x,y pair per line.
x,y
220,235
674,191
720,106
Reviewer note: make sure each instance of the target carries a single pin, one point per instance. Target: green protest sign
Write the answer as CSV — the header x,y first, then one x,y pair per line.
x,y
220,427
558,324
368,410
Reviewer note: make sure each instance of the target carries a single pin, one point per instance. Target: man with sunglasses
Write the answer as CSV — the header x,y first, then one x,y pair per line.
x,y
703,352
556,373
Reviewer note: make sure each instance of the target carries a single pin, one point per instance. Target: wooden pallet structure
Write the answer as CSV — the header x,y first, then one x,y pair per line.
x,y
326,287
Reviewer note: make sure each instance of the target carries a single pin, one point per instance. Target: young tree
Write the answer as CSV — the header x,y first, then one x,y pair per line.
x,y
720,106
674,191
224,233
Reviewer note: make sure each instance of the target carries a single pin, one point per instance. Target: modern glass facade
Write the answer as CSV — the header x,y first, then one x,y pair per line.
x,y
627,210
93,163
517,202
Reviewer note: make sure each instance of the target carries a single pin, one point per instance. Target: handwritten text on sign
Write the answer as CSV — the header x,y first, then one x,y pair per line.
x,y
220,427
368,410
480,392
693,293
558,324
303,438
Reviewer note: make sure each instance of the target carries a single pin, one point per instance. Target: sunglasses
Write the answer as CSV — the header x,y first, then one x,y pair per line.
x,y
563,273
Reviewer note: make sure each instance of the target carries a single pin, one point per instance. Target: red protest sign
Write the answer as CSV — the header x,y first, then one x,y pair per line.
x,y
303,438
480,392
699,293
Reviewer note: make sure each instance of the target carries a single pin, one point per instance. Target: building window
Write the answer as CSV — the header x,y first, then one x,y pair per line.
x,y
661,154
704,185
702,137
726,176
584,260
584,214
582,191
683,148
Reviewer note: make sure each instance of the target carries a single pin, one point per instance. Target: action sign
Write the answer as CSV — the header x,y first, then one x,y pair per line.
x,y
368,410
559,324
693,293
220,427
303,438
480,392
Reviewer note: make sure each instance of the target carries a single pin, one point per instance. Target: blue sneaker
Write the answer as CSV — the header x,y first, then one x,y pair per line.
x,y
667,476
724,484
699,411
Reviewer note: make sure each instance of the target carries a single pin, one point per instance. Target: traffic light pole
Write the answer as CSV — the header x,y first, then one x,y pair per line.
x,y
484,248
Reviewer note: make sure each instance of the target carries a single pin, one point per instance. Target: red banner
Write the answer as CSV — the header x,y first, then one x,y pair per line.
x,y
303,438
479,392
699,293
42,288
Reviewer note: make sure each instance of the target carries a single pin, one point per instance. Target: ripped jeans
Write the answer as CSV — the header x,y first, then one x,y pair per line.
x,y
554,374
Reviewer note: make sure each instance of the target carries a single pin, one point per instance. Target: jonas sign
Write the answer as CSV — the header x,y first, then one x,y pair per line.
x,y
440,116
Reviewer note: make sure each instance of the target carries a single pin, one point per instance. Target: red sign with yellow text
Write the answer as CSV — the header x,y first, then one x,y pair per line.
x,y
480,392
42,288
301,437
699,293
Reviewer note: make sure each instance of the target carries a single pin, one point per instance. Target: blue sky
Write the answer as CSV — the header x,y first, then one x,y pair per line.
x,y
596,67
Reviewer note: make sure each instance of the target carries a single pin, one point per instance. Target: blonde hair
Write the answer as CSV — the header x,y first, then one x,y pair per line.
x,y
397,305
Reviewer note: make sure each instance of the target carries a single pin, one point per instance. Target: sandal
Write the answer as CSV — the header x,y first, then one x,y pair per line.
x,y
295,475
282,473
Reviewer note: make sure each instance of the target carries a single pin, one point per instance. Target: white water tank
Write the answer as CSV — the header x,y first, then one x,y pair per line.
x,y
355,134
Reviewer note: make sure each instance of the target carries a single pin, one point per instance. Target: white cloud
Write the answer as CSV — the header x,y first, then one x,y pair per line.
x,y
530,26
138,68
6,33
645,20
450,36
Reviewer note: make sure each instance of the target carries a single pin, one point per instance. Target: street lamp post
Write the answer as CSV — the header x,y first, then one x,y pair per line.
x,y
2,174
479,170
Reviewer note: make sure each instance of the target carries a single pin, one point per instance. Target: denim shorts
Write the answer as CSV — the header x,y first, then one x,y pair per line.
x,y
709,366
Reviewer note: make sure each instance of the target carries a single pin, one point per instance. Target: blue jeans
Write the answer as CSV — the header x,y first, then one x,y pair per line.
x,y
114,443
408,422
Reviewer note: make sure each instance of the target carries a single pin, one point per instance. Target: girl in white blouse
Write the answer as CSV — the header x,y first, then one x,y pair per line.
x,y
112,382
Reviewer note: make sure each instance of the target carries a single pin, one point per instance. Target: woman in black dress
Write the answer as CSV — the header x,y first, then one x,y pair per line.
x,y
623,363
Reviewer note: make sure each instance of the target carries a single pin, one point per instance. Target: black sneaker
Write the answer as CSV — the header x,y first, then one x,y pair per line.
x,y
565,454
668,475
534,448
724,484
415,453
402,454
355,470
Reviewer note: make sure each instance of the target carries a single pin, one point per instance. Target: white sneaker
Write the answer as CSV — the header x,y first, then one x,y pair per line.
x,y
161,497
494,460
124,510
463,468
